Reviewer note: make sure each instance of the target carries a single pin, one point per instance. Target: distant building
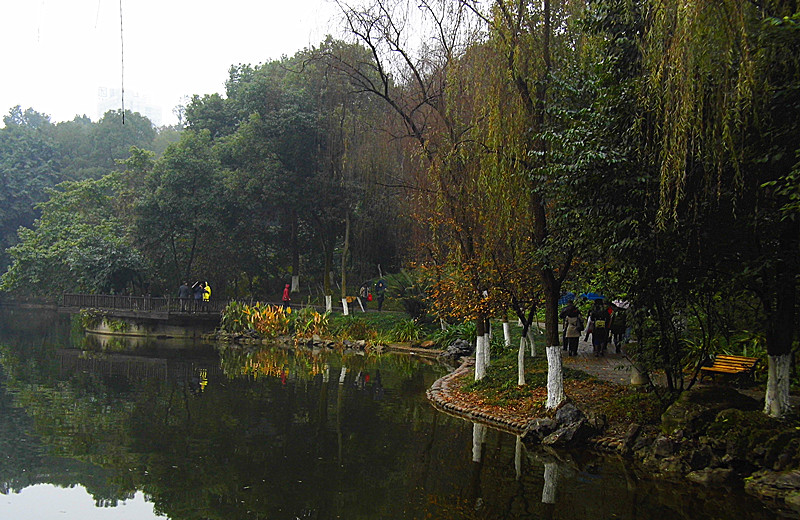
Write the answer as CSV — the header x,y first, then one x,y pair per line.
x,y
111,99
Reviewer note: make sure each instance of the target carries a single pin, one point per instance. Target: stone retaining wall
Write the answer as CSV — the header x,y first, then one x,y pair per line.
x,y
440,396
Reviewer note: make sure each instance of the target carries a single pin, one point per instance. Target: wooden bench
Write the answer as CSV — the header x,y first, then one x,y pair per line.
x,y
730,365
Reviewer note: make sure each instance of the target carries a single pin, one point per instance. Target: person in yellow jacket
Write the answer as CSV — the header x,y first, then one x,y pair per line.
x,y
206,293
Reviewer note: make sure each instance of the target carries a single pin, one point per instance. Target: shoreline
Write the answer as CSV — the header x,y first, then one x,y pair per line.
x,y
648,447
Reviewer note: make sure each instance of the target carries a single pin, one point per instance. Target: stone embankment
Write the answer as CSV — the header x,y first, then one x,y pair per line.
x,y
712,436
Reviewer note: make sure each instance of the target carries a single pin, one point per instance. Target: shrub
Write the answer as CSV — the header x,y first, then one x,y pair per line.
x,y
445,338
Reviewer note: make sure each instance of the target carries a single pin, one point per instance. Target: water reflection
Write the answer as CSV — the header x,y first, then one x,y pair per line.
x,y
279,433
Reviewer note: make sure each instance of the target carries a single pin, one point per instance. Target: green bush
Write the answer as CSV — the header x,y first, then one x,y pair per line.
x,y
445,338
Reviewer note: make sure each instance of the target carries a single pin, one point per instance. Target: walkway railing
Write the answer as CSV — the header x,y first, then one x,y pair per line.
x,y
141,303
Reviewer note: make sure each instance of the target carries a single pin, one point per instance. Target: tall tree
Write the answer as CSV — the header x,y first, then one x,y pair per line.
x,y
725,84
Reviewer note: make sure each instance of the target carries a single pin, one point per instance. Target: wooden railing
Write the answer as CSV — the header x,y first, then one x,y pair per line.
x,y
141,303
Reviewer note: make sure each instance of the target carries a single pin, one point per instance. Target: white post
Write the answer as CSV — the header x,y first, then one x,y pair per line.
x,y
555,378
345,307
328,303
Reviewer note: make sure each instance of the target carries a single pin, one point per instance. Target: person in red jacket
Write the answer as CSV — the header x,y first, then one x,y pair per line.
x,y
286,297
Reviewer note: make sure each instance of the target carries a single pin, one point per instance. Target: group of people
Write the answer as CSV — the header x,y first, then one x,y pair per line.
x,y
200,292
365,294
605,322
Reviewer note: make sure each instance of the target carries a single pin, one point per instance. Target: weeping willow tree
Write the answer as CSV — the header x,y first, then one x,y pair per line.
x,y
723,86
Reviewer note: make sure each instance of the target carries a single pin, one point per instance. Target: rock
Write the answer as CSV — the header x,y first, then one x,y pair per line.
x,y
540,428
458,349
782,487
698,407
569,414
701,458
631,435
663,447
598,421
575,433
711,476
792,500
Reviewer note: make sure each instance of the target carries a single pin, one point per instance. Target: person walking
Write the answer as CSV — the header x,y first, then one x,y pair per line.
x,y
599,325
364,296
619,326
286,298
380,292
573,325
185,296
197,289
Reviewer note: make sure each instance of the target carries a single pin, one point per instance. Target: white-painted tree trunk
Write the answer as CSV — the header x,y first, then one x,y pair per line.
x,y
478,436
776,399
296,283
550,482
345,307
507,333
480,358
326,373
521,363
342,375
555,378
328,303
518,457
442,324
487,350
531,343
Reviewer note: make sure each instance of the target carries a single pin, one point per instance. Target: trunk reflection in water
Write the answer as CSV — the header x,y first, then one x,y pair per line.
x,y
230,432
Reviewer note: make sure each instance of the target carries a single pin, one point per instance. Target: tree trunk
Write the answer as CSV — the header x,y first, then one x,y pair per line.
x,y
776,399
328,303
555,378
518,457
521,362
295,255
550,483
780,329
480,350
506,333
345,307
478,437
345,252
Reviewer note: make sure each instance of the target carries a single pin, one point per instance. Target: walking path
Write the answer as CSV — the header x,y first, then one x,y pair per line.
x,y
612,367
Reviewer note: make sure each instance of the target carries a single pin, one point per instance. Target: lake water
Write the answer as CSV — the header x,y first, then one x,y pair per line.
x,y
93,428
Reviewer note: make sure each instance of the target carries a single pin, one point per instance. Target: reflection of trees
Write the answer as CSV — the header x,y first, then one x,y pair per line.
x,y
256,442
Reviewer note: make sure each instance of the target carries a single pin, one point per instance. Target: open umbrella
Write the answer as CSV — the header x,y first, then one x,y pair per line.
x,y
592,296
566,298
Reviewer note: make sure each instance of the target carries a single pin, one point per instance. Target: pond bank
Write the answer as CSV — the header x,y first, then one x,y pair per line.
x,y
712,436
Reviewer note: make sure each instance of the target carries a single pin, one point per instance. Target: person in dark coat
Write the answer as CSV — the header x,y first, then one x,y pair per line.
x,y
198,290
185,296
599,324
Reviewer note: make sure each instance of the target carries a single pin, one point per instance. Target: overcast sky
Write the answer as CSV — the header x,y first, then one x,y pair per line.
x,y
57,54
